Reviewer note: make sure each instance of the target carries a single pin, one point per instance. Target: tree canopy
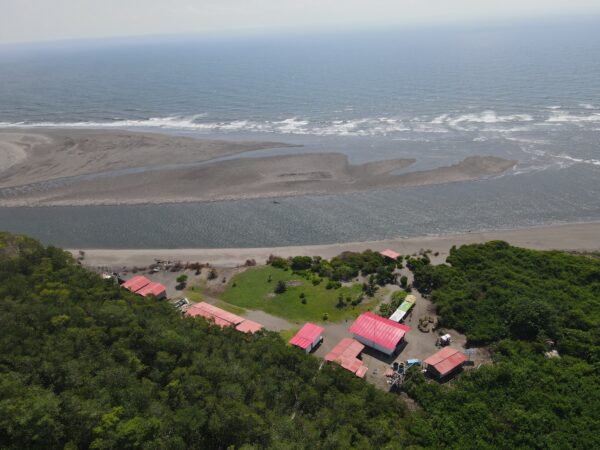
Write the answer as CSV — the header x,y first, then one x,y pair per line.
x,y
84,363
515,300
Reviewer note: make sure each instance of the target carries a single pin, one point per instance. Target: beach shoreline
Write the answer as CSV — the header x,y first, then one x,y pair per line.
x,y
580,237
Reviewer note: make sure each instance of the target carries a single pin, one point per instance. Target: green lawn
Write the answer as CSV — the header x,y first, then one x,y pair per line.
x,y
253,291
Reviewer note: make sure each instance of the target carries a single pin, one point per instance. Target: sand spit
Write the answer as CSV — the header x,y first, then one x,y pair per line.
x,y
575,237
93,168
48,154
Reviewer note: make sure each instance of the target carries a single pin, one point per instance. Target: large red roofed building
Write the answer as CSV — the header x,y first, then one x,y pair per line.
x,y
346,353
158,290
308,337
136,283
378,332
444,362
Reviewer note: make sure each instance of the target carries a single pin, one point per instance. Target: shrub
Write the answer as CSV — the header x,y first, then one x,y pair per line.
x,y
301,262
403,281
280,287
279,263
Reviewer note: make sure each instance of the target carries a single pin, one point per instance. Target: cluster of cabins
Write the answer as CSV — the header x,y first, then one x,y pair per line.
x,y
223,318
145,287
381,334
368,329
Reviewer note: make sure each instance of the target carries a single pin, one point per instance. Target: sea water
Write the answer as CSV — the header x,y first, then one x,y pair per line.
x,y
527,91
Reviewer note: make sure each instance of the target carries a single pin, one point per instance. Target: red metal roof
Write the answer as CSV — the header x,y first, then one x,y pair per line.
x,y
136,283
380,330
223,318
347,347
249,326
390,254
154,288
307,335
345,354
446,360
362,371
406,328
209,311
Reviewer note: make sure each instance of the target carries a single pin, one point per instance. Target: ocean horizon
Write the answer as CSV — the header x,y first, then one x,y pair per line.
x,y
525,92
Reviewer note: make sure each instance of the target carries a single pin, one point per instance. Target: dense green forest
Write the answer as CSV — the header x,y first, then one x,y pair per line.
x,y
84,364
516,301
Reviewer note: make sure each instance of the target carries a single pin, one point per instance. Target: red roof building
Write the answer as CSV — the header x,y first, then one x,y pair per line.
x,y
445,362
390,254
308,337
158,290
136,283
378,332
222,318
346,353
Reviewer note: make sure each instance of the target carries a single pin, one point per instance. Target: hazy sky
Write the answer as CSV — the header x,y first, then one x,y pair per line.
x,y
41,20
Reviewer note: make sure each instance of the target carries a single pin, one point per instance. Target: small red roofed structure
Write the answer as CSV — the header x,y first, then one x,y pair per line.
x,y
378,332
346,353
158,290
308,337
362,371
445,362
136,283
249,326
390,254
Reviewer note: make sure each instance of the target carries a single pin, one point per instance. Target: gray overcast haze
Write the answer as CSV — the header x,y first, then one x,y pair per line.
x,y
43,20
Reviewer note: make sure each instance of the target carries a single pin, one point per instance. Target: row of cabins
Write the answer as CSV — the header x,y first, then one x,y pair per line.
x,y
145,287
223,318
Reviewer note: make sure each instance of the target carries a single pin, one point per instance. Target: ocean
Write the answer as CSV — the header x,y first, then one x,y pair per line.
x,y
525,91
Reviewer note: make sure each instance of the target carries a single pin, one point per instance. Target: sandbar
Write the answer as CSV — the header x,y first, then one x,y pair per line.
x,y
92,167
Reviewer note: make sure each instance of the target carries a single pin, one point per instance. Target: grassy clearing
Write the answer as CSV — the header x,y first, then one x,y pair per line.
x,y
194,293
252,290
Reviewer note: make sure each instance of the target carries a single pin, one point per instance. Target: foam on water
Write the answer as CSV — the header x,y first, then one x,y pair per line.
x,y
485,121
566,117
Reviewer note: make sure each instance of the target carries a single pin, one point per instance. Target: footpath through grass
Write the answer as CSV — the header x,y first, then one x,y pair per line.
x,y
252,290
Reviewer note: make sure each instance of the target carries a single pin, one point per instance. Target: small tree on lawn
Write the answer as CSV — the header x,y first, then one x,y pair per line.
x,y
340,303
280,287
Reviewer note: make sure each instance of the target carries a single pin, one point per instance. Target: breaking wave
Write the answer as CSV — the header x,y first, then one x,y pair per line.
x,y
484,121
564,117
